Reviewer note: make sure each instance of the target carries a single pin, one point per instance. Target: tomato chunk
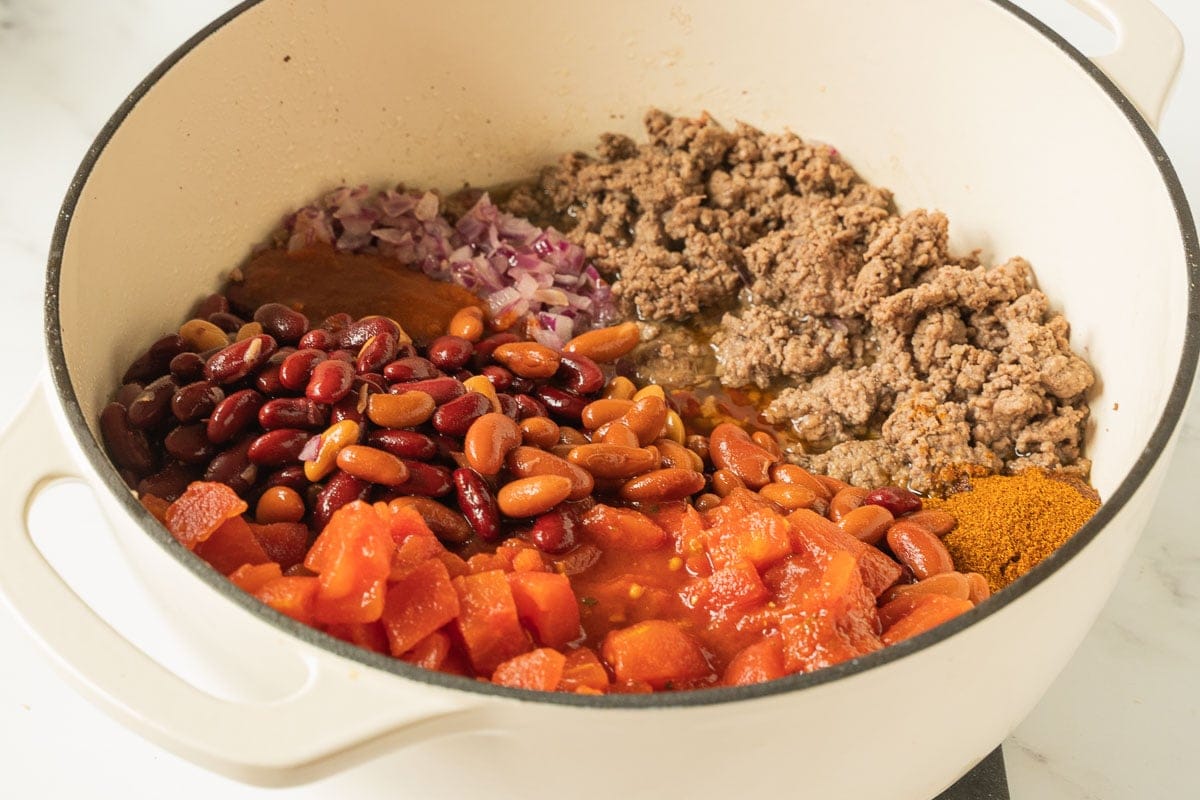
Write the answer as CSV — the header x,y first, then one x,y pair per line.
x,y
622,529
761,661
295,596
819,536
251,577
200,510
230,546
546,604
352,557
656,652
488,621
741,533
417,605
583,671
540,669
285,542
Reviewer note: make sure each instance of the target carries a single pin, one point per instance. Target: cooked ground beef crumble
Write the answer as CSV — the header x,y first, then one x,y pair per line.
x,y
890,358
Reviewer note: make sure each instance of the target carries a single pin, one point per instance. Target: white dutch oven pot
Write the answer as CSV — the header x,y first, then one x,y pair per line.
x,y
971,107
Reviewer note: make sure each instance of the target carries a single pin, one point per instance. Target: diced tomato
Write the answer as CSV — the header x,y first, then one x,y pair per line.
x,y
831,617
761,661
622,529
251,577
358,606
817,535
454,563
352,557
200,510
546,604
488,562
540,670
230,546
528,560
294,596
657,652
403,521
367,635
418,604
680,520
430,652
285,542
488,621
156,506
740,533
583,670
415,549
924,612
737,584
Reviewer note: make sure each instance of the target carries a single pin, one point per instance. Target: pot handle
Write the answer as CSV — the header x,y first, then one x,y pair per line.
x,y
339,715
1148,55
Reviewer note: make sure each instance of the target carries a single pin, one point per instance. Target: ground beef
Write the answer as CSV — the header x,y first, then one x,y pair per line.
x,y
888,357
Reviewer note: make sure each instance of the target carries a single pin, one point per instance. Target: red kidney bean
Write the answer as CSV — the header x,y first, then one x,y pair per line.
x,y
442,390
331,381
286,324
464,375
232,363
529,406
156,360
210,305
233,468
377,351
297,368
561,403
447,447
126,445
318,339
127,393
455,417
427,480
233,414
485,347
410,368
291,476
356,334
336,323
170,481
450,352
153,404
267,381
895,499
278,447
520,385
509,406
403,443
579,374
292,412
187,367
341,488
230,323
477,504
554,531
349,407
373,380
500,377
190,444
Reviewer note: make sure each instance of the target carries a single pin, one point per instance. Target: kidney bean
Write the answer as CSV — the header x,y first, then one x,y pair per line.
x,y
509,406
426,480
187,367
155,361
377,351
528,462
950,584
341,489
291,476
789,496
706,501
613,461
190,444
372,465
336,323
227,322
233,414
405,444
278,447
521,385
448,525
456,417
411,368
725,481
286,324
918,549
699,445
791,473
561,403
296,370
500,377
484,348
405,410
442,390
488,441
153,403
617,432
605,345
292,412
356,334
579,374
732,449
528,497
267,381
571,436
554,531
450,352
846,501
343,355
604,410
210,305
477,504
467,323
539,432
318,339
127,394
169,482
895,499
201,335
350,407
934,520
647,417
619,388
233,467
528,359
978,589
867,523
676,455
330,381
662,485
232,363
279,504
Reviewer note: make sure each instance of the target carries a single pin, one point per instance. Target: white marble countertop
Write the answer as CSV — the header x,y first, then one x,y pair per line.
x,y
1121,723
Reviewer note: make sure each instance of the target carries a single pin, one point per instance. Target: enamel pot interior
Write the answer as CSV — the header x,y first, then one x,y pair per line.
x,y
1027,151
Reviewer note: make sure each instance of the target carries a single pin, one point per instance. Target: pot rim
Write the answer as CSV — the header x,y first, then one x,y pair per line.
x,y
1163,430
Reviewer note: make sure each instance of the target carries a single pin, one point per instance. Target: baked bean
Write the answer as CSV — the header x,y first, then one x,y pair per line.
x,y
732,449
477,504
539,432
456,417
918,549
554,531
620,388
650,390
646,418
427,480
571,436
699,445
279,504
676,431
895,499
845,501
483,386
561,403
231,364
951,584
447,524
833,485
156,360
978,589
286,324
579,374
153,404
278,447
528,497
331,380
706,501
405,410
725,481
372,465
676,455
792,473
529,462
442,390
402,443
662,485
356,334
789,496
528,359
617,432
612,460
187,368
190,444
341,489
598,412
335,437
467,323
233,467
450,352
201,335
379,350
233,414
605,345
769,443
934,520
867,523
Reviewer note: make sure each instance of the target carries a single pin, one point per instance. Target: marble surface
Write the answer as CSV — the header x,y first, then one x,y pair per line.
x,y
1122,722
